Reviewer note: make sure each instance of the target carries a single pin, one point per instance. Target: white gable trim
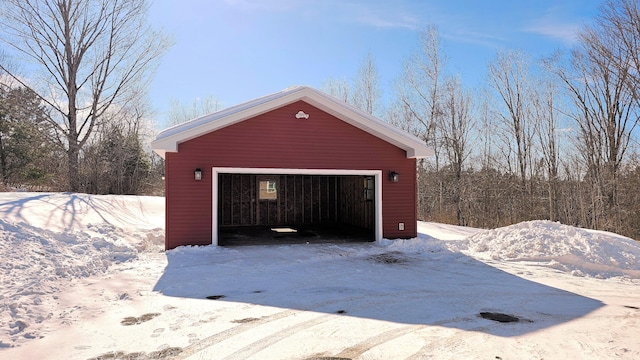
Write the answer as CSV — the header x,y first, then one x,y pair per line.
x,y
169,139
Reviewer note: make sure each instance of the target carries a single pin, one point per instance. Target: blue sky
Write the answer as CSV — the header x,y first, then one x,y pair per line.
x,y
237,50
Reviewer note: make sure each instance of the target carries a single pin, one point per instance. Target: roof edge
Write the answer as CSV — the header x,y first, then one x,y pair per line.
x,y
169,139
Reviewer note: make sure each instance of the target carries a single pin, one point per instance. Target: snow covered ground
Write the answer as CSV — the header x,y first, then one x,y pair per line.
x,y
85,277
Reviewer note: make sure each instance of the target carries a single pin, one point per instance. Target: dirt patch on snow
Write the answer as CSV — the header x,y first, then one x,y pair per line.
x,y
132,320
245,320
167,353
393,257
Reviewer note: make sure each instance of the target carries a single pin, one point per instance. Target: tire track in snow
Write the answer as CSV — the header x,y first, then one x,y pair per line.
x,y
360,348
236,330
351,302
451,343
207,342
270,340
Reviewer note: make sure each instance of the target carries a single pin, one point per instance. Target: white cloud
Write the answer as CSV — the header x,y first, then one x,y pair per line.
x,y
553,24
472,37
388,20
259,5
566,33
377,14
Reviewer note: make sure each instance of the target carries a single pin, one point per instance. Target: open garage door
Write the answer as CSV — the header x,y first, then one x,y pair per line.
x,y
286,206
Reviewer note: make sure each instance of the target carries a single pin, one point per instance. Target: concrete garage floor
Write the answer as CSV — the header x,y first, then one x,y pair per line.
x,y
292,234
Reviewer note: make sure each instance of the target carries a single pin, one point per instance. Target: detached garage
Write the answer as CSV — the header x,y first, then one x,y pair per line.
x,y
294,163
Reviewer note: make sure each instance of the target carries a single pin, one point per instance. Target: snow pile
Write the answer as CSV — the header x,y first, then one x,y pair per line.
x,y
62,255
47,240
420,245
444,231
578,251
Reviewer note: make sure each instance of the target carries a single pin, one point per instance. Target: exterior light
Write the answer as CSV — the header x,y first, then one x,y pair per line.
x,y
197,174
394,176
302,115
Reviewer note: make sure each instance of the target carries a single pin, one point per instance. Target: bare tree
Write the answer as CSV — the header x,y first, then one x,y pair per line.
x,y
619,21
93,56
606,116
420,86
180,112
416,108
508,75
366,89
488,187
338,88
546,114
454,129
6,64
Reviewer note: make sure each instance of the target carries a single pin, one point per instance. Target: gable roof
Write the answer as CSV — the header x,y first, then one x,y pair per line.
x,y
168,139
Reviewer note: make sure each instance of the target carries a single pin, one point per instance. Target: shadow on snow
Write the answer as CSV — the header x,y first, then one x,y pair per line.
x,y
68,209
438,288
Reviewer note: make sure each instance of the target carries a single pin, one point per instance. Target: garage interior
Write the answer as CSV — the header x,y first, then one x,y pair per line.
x,y
260,209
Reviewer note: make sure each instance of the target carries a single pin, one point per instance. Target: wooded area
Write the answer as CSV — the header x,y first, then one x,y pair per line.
x,y
90,63
554,138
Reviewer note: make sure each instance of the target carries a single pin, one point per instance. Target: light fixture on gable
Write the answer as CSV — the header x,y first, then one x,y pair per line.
x,y
302,115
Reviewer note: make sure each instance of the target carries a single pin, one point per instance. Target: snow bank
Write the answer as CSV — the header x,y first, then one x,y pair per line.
x,y
446,231
420,245
578,251
47,240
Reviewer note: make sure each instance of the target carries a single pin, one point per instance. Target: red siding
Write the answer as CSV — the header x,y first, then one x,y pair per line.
x,y
278,140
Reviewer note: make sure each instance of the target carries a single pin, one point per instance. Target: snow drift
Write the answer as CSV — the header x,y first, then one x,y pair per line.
x,y
47,239
578,251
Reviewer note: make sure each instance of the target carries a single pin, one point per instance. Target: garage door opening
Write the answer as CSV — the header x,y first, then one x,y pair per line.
x,y
307,207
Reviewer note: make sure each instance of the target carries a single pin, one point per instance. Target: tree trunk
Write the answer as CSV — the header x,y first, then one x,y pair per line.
x,y
73,166
3,162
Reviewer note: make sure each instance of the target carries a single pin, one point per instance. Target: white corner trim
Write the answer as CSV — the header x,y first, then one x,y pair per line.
x,y
377,174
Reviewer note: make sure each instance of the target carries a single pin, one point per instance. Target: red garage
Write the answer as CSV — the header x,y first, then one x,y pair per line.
x,y
294,160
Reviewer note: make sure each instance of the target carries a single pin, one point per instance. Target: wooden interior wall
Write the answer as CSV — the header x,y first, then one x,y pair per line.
x,y
301,199
355,208
236,193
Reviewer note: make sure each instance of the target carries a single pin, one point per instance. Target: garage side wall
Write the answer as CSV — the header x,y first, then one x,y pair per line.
x,y
278,139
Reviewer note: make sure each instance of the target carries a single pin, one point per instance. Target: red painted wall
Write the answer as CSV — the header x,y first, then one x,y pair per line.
x,y
278,140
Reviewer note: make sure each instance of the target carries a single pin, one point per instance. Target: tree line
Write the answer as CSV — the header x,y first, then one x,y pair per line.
x,y
115,160
555,138
78,123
